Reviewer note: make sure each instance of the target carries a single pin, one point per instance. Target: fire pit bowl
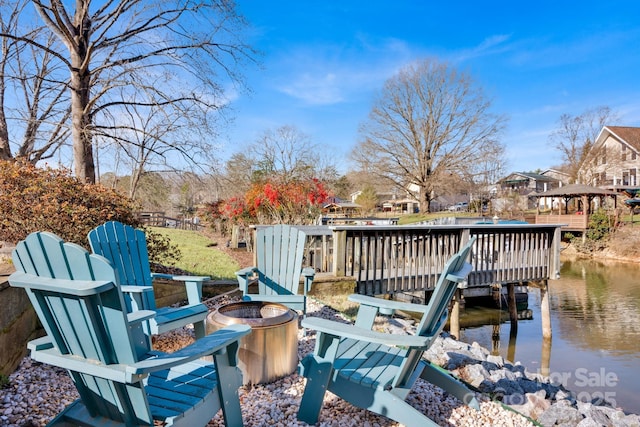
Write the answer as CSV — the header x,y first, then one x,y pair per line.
x,y
270,351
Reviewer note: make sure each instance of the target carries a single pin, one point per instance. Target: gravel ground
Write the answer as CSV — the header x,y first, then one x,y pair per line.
x,y
38,392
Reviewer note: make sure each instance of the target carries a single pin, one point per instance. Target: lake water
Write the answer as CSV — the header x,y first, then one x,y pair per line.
x,y
595,318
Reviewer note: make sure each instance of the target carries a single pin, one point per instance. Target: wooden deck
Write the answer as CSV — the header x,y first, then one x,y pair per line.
x,y
404,259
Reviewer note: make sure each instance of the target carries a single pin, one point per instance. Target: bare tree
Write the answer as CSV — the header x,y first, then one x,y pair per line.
x,y
179,51
147,137
33,92
486,171
428,122
285,151
576,135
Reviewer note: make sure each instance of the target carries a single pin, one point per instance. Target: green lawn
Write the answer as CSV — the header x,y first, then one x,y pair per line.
x,y
200,256
414,218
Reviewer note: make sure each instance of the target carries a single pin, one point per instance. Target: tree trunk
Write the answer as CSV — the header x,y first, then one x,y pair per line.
x,y
82,136
5,148
425,200
84,167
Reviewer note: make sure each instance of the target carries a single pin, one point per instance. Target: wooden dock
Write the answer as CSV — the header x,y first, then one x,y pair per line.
x,y
407,259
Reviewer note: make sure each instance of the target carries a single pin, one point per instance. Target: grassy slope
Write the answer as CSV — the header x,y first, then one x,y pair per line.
x,y
199,254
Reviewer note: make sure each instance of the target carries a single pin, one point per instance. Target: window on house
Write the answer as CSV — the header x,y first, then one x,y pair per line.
x,y
623,152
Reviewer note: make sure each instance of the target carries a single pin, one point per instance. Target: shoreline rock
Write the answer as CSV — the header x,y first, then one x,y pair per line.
x,y
530,394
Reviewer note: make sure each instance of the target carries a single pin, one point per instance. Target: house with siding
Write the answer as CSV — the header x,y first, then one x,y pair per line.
x,y
514,190
528,182
614,160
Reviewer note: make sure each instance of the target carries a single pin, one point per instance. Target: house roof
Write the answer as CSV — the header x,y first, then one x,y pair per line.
x,y
628,134
342,205
575,190
554,171
528,175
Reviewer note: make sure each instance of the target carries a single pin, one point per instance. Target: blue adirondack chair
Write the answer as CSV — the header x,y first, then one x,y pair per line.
x,y
126,248
106,352
279,255
375,370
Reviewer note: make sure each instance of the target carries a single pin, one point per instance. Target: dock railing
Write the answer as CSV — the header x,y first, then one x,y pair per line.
x,y
391,259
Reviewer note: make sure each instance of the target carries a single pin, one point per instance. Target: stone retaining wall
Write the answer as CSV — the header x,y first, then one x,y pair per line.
x,y
18,324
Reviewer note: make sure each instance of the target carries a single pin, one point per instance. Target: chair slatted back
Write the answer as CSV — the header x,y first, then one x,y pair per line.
x,y
126,248
434,319
279,257
77,299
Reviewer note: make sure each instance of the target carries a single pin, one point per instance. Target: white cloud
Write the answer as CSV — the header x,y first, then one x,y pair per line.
x,y
331,73
315,89
491,45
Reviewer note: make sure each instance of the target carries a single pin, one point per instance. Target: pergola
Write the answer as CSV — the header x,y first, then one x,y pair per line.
x,y
585,193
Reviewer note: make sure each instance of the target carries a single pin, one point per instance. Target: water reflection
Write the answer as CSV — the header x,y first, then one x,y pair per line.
x,y
599,304
595,317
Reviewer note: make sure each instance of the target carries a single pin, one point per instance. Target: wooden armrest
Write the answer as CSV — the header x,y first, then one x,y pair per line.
x,y
460,275
41,343
135,289
210,344
308,273
180,278
140,316
45,352
387,304
63,286
243,278
247,271
344,330
213,343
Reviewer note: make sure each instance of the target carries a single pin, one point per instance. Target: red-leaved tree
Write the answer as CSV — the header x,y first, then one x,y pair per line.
x,y
292,202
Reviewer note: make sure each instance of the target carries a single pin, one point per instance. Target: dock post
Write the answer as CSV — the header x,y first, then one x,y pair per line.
x,y
339,252
513,309
545,312
545,360
454,318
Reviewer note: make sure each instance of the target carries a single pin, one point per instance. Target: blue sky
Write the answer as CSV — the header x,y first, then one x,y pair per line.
x,y
323,62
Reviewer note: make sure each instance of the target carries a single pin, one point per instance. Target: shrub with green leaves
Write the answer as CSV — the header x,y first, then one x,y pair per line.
x,y
47,199
161,250
601,224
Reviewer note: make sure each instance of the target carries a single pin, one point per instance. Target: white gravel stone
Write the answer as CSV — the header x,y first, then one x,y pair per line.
x,y
38,392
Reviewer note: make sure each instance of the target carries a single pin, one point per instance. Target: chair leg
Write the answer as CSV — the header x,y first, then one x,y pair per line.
x,y
318,374
199,329
229,380
437,376
393,407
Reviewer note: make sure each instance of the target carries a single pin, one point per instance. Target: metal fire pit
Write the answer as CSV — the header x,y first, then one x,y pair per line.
x,y
270,351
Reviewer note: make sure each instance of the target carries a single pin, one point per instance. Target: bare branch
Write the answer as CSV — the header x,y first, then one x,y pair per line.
x,y
576,135
428,122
